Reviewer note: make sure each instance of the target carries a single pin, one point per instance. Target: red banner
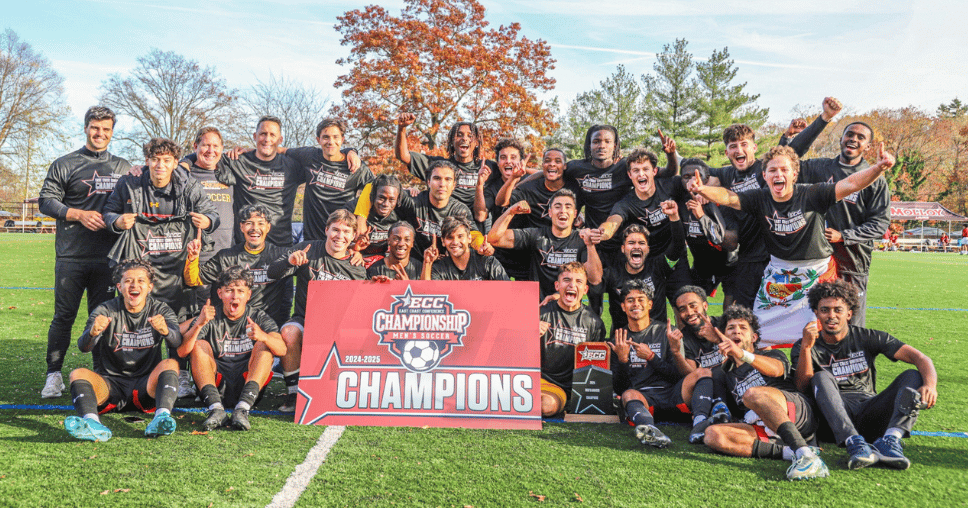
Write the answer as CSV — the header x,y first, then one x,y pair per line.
x,y
415,353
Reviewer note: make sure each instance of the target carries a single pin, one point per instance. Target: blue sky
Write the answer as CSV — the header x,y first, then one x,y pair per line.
x,y
868,54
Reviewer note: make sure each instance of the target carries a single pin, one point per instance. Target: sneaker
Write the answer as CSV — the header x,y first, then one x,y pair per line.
x,y
807,467
699,431
87,429
161,425
53,386
720,414
240,419
186,387
289,405
861,454
215,418
652,436
890,453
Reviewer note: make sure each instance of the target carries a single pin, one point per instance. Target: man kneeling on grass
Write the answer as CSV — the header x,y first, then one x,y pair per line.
x,y
127,332
231,350
776,414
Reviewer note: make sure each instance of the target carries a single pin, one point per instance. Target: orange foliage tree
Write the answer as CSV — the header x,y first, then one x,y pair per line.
x,y
439,60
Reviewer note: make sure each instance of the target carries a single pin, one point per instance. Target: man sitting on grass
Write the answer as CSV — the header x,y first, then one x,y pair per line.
x,y
839,369
127,333
231,350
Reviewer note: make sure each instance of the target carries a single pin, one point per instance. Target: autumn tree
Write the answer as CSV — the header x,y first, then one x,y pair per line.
x,y
720,101
170,96
670,94
443,62
299,106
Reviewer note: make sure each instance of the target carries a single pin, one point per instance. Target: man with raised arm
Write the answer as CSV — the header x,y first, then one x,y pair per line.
x,y
231,348
127,332
835,360
74,191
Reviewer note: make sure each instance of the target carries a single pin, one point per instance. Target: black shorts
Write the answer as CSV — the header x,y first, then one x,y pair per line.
x,y
667,403
744,281
800,412
230,378
127,394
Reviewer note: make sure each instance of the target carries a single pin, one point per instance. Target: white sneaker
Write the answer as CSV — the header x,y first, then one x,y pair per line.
x,y
53,387
186,387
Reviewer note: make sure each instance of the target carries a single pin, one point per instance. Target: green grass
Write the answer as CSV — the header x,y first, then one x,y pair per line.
x,y
569,464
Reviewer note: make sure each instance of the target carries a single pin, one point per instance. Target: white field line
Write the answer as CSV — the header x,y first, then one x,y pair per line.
x,y
304,473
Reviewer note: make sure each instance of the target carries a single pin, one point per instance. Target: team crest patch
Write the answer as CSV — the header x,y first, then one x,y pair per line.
x,y
421,330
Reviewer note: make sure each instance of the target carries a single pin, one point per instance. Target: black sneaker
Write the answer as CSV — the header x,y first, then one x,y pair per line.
x,y
240,419
215,418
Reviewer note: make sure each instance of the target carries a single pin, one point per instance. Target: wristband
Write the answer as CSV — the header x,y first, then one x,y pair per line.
x,y
748,357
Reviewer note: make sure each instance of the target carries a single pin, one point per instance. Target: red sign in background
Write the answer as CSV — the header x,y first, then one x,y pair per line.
x,y
421,353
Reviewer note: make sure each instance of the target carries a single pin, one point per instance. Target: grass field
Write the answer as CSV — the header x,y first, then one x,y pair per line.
x,y
566,464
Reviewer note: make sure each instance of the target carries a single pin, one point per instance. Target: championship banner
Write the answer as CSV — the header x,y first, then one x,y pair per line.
x,y
421,353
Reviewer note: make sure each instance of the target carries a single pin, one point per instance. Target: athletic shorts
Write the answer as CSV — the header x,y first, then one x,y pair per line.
x,y
666,402
127,394
230,378
800,412
297,321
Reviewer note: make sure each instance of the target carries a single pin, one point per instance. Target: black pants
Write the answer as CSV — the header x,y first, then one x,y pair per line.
x,y
71,280
859,280
850,414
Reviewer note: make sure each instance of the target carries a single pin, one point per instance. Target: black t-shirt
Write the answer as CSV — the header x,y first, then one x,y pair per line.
x,y
329,186
426,219
267,293
658,374
704,353
793,229
851,360
567,330
465,181
599,189
230,343
751,247
704,236
129,346
741,377
221,197
321,266
380,268
537,195
548,252
478,268
379,230
271,183
649,214
83,180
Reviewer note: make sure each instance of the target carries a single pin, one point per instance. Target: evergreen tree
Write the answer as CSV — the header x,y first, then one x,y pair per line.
x,y
720,102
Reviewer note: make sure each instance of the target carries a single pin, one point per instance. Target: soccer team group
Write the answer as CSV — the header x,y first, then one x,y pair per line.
x,y
201,255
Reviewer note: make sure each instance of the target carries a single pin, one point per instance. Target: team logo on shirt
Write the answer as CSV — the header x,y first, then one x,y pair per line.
x,y
323,274
563,335
855,364
428,227
694,229
655,218
260,275
852,198
782,226
754,378
99,184
710,359
466,179
555,258
747,184
234,346
635,360
592,183
274,180
420,330
332,179
165,243
142,338
379,235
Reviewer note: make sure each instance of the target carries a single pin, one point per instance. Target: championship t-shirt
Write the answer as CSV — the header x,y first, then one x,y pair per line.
x,y
751,248
658,374
321,266
548,252
793,229
231,345
267,293
380,268
743,376
851,360
537,195
271,183
129,346
465,181
599,189
567,329
426,218
648,213
329,186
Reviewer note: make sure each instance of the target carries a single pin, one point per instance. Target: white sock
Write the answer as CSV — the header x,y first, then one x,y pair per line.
x,y
93,416
159,412
788,453
243,405
894,431
696,420
802,451
217,405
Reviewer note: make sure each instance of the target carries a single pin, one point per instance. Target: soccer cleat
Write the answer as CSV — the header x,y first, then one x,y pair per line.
x,y
87,429
861,454
699,431
161,425
652,436
890,453
53,386
807,467
720,414
240,419
289,405
215,418
186,388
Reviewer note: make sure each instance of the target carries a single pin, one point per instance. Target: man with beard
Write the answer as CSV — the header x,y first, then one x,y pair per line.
x,y
493,191
463,153
318,260
713,246
791,218
397,264
128,332
375,214
776,413
839,368
745,174
564,323
74,191
649,371
854,223
255,254
550,247
460,261
231,350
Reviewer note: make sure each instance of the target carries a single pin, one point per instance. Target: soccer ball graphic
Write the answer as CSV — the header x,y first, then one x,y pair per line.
x,y
420,355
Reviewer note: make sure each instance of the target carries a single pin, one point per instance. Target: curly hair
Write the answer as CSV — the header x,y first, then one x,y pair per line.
x,y
738,132
636,285
782,151
161,146
641,155
834,289
235,274
740,312
509,142
452,135
133,264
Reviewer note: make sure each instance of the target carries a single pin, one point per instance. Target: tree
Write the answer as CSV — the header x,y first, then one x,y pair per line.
x,y
618,102
32,114
953,109
441,61
170,96
670,97
720,102
300,107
